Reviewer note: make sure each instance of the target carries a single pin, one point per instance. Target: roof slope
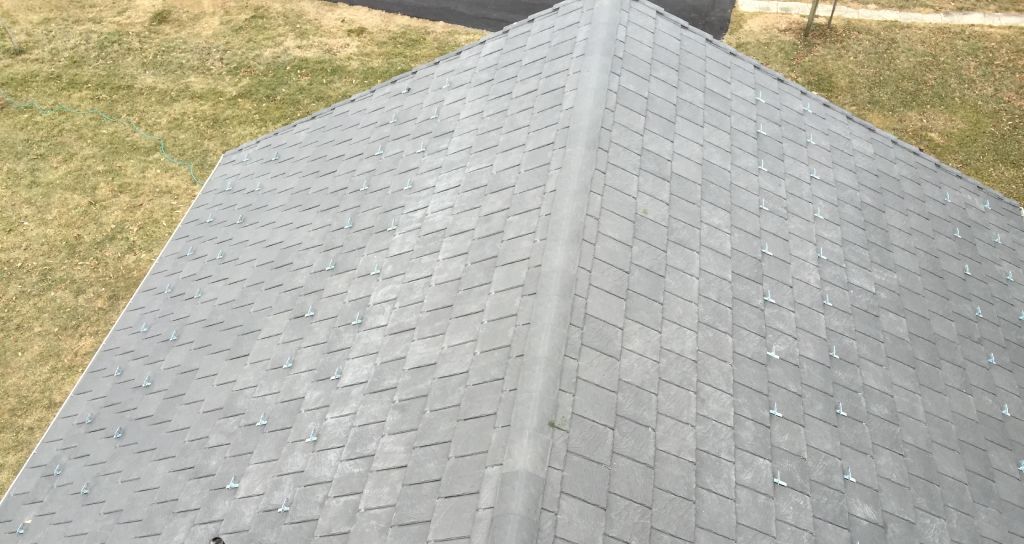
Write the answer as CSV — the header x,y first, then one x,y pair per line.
x,y
393,239
597,277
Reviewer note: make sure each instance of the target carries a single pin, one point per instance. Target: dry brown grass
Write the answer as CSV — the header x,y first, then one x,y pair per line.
x,y
1002,6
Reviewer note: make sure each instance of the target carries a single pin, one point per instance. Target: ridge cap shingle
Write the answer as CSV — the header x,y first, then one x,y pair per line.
x,y
524,466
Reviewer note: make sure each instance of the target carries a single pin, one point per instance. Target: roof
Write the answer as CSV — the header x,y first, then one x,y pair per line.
x,y
597,276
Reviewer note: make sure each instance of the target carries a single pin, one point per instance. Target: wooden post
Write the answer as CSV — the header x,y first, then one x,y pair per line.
x,y
834,2
810,18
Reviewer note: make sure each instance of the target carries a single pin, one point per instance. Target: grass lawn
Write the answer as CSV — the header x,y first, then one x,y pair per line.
x,y
955,91
87,206
1002,6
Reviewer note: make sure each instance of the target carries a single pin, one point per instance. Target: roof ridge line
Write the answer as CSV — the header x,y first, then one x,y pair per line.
x,y
516,518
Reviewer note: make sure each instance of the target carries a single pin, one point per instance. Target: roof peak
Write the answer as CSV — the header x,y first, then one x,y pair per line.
x,y
517,511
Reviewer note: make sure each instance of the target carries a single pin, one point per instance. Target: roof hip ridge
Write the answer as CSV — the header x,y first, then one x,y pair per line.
x,y
517,510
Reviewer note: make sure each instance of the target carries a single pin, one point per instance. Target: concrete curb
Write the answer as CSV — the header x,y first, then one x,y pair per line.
x,y
950,18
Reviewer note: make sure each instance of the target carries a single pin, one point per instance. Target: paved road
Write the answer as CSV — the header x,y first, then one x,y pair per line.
x,y
711,16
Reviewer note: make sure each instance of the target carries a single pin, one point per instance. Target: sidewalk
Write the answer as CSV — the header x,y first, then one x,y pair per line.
x,y
952,18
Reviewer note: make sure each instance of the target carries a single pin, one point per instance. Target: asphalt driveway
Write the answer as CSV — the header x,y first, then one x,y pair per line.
x,y
711,16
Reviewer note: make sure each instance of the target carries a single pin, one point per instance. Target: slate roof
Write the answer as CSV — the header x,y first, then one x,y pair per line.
x,y
597,277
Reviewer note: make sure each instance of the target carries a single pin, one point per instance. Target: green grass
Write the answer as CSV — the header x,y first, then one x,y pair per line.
x,y
955,91
87,205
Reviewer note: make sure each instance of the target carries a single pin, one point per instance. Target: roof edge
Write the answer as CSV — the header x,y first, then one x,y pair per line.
x,y
827,103
516,518
120,316
398,78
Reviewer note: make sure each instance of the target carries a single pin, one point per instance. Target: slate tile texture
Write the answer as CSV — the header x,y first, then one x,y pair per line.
x,y
787,326
861,292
